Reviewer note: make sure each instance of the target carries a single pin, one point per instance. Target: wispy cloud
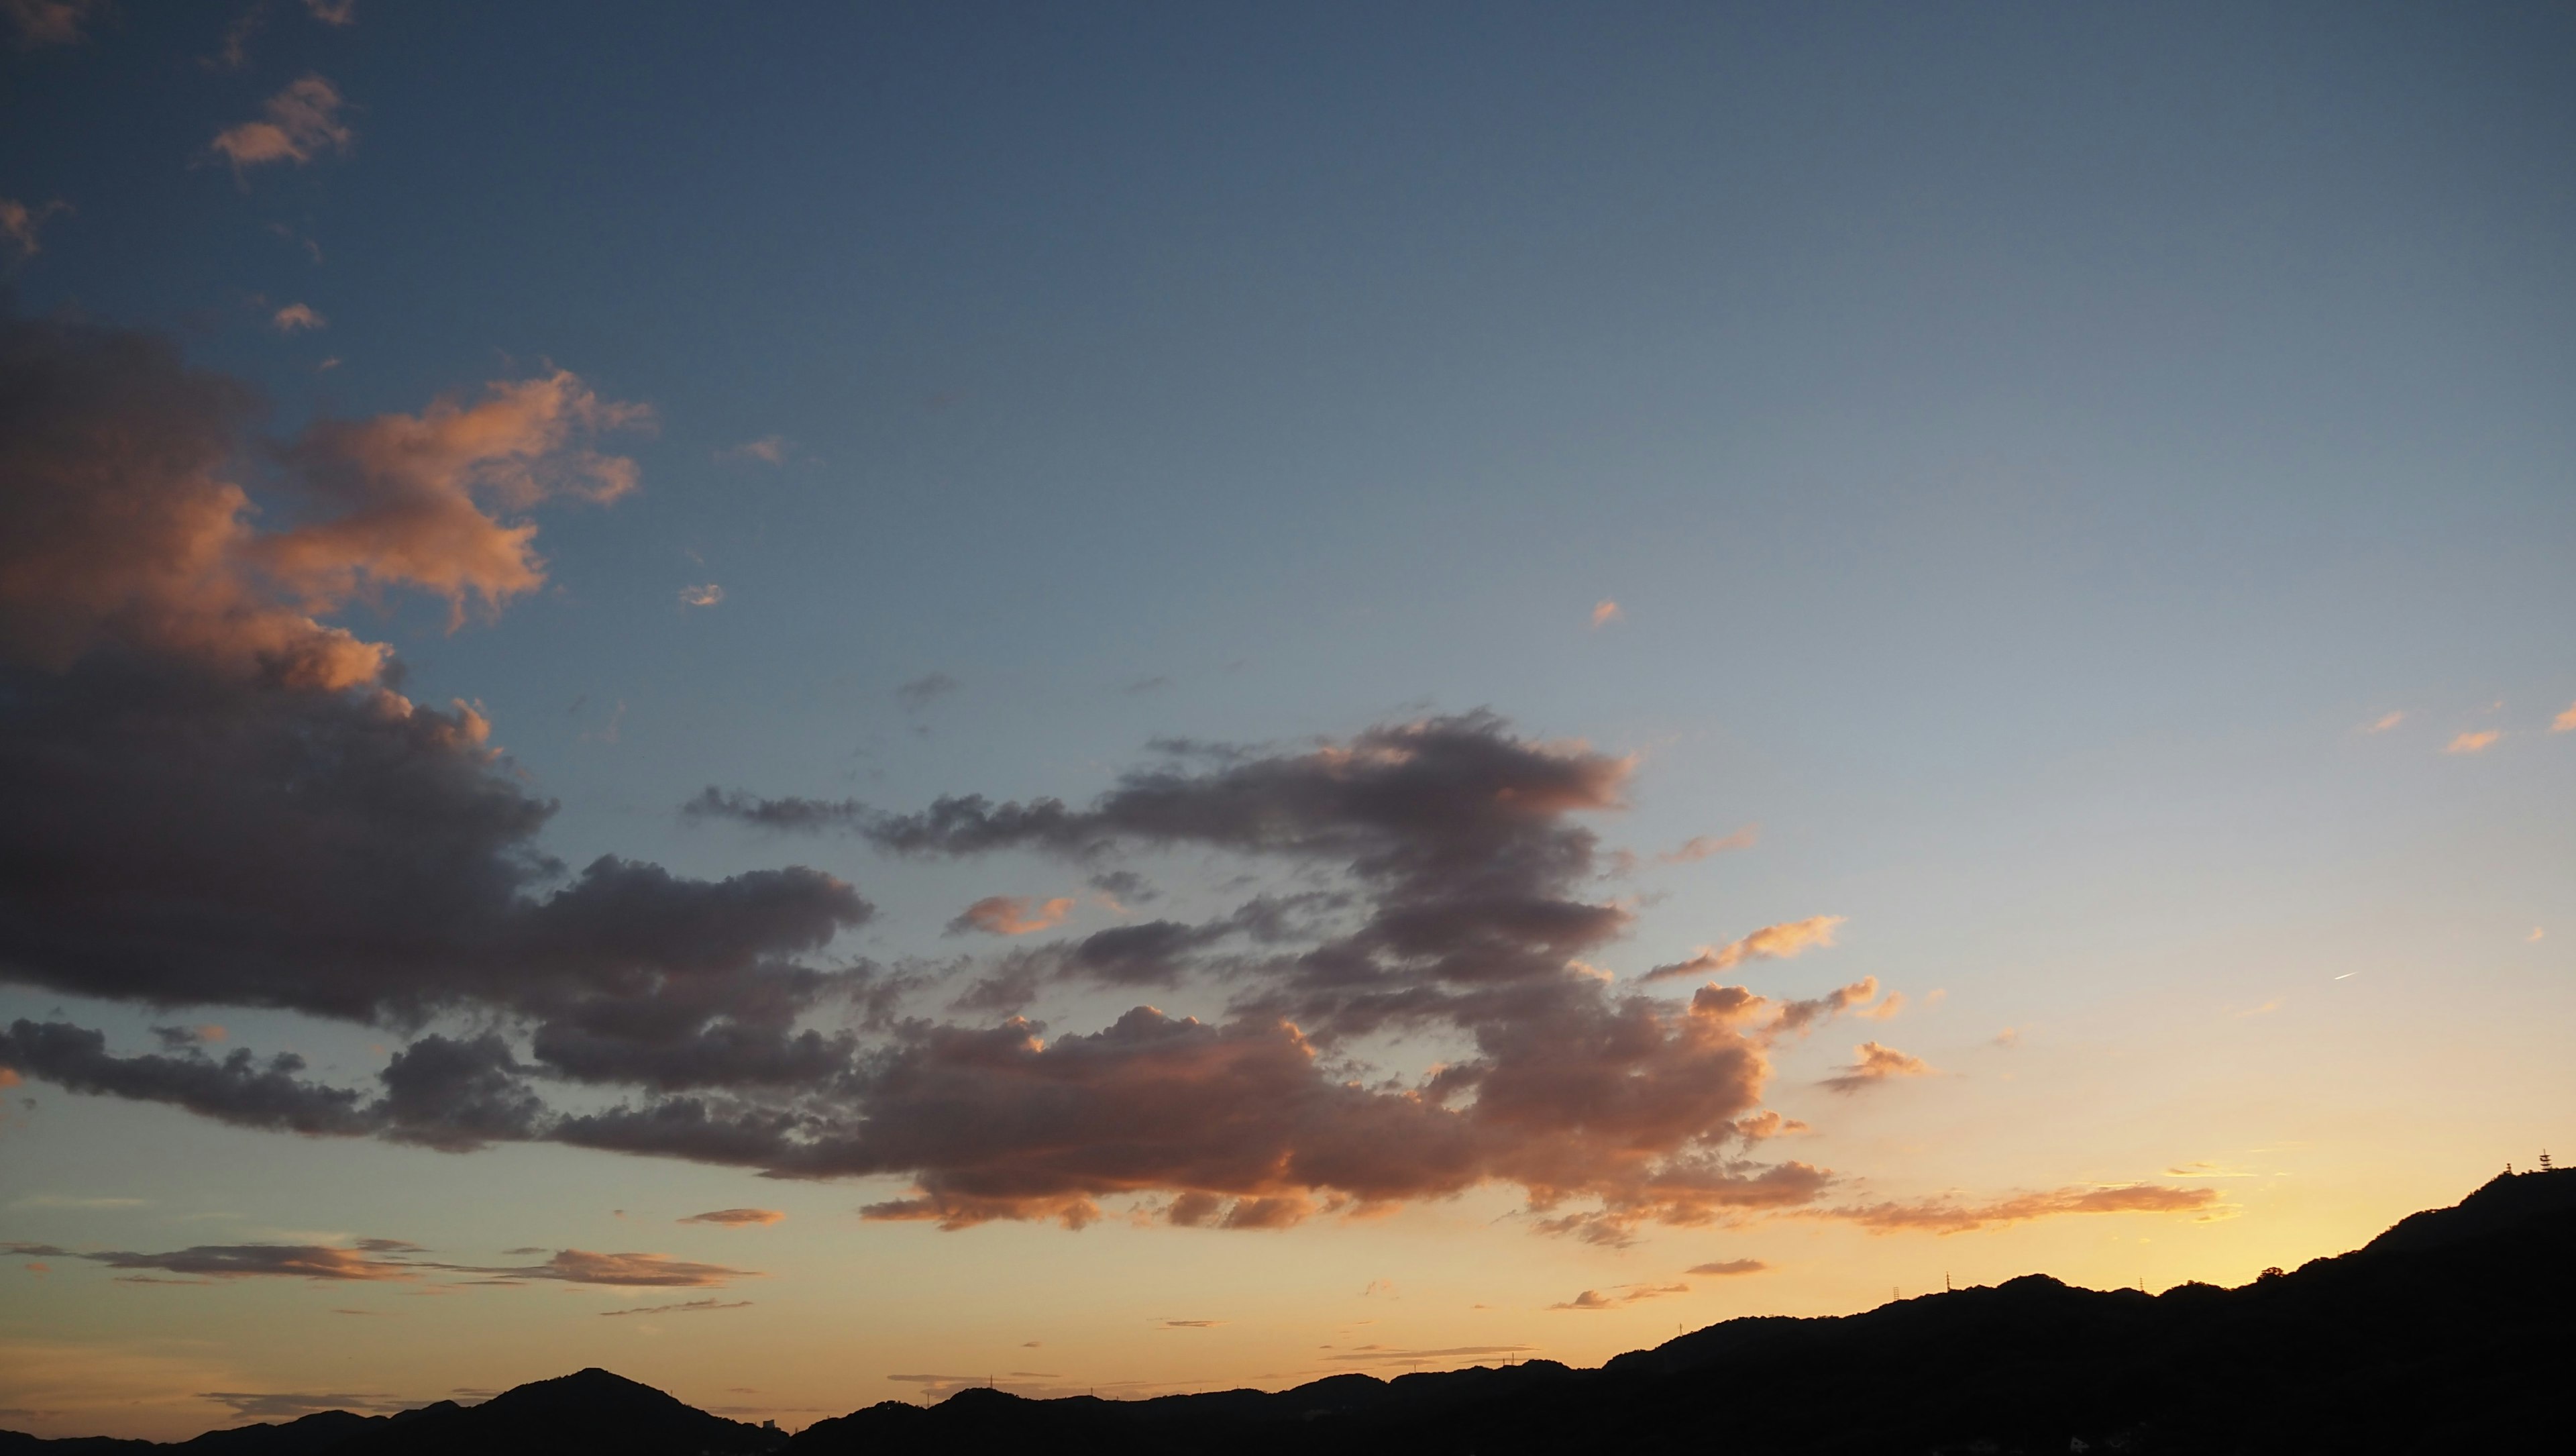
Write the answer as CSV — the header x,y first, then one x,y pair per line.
x,y
2383,722
21,224
737,1217
2478,741
1785,941
2564,722
332,12
926,689
295,125
768,450
297,317
706,595
1729,1266
1621,1295
1606,612
1011,915
1948,1216
48,22
1701,846
694,1306
1873,1064
1190,1324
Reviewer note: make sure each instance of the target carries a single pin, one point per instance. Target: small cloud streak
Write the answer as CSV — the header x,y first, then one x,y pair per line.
x,y
768,450
738,1217
1873,1064
2564,722
1729,1266
298,122
21,224
297,317
1605,613
701,596
1191,1324
247,1261
2477,742
1011,915
2384,722
1701,846
1785,941
631,1271
1624,1294
694,1306
47,22
926,689
1950,1217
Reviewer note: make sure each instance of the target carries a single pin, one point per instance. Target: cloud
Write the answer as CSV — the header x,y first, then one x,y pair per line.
x,y
2384,722
48,22
297,316
1622,1295
2537,935
1947,1216
1191,1324
1728,1267
1377,1355
926,689
706,595
1457,917
738,1217
1785,941
322,843
768,449
694,1306
296,123
21,224
2474,742
332,12
1010,915
2010,1036
288,1405
1701,846
1605,612
180,1038
2564,722
1872,1064
250,1261
626,1271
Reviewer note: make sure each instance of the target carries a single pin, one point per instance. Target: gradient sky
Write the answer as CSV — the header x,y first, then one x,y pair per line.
x,y
2038,540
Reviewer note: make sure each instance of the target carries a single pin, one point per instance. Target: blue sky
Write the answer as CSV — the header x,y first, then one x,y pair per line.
x,y
2031,451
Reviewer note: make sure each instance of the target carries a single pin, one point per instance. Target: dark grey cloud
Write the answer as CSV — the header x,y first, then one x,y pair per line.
x,y
207,798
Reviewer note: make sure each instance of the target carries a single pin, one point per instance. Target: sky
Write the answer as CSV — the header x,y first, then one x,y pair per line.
x,y
825,702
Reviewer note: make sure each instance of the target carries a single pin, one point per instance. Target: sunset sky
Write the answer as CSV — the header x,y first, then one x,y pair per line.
x,y
821,702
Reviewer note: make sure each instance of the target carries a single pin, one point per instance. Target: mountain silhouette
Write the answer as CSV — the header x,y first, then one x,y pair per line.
x,y
2453,1331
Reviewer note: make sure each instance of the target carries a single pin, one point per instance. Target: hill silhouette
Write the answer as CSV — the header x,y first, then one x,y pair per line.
x,y
2452,1331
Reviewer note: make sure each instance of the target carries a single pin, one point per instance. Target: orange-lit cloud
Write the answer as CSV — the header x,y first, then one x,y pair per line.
x,y
1011,915
1785,941
1606,612
21,224
1949,1217
693,1306
1873,1064
48,22
243,1261
2384,722
2564,722
297,122
2474,742
1729,1266
706,595
297,317
1700,847
332,12
1623,1294
737,1217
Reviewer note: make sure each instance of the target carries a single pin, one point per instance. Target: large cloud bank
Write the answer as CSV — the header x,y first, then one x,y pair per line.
x,y
210,796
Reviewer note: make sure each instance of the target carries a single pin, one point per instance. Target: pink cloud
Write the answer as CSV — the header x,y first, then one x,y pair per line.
x,y
296,123
1785,941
